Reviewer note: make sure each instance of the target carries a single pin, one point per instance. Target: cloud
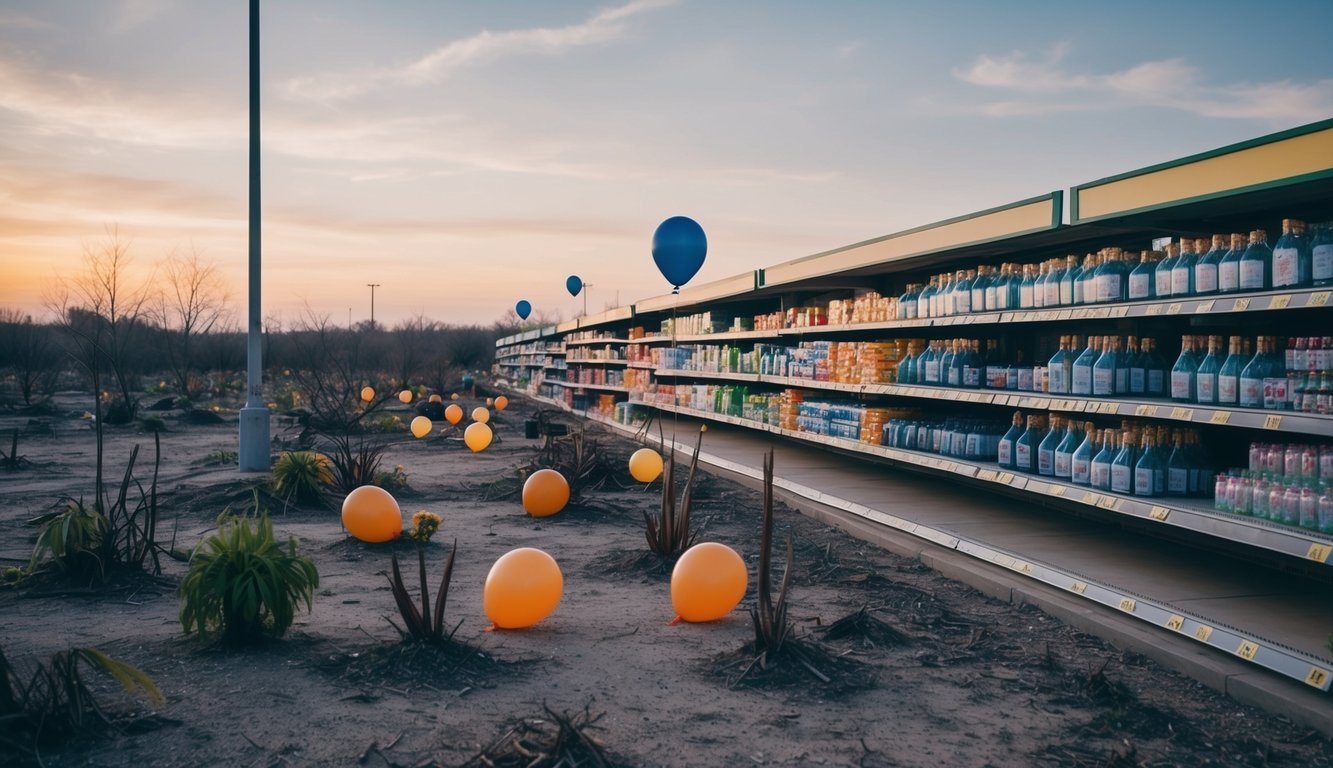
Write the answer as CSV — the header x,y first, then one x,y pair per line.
x,y
485,46
135,13
1047,86
847,50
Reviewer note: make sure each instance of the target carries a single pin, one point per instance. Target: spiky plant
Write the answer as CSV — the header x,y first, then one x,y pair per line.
x,y
301,476
771,627
425,625
244,582
355,465
669,533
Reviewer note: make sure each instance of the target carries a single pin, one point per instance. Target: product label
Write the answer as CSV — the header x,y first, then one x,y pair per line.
x,y
971,376
1205,278
1275,393
1138,286
962,302
1103,381
955,376
1063,462
1138,380
1052,297
1252,275
932,371
1203,388
1121,478
910,307
1121,380
1005,453
1228,276
1286,267
1109,287
1066,292
1025,297
1023,456
1156,381
1081,380
1177,481
1045,462
1227,389
1058,376
1079,472
1100,475
1143,481
1162,280
1322,263
1251,392
1180,281
1180,386
1025,379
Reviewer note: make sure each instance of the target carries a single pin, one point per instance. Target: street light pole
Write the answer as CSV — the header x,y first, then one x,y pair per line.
x,y
372,287
586,286
253,453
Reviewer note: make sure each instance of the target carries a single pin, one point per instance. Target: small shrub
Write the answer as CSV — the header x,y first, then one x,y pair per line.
x,y
154,424
423,625
355,465
245,583
392,481
301,476
669,533
70,541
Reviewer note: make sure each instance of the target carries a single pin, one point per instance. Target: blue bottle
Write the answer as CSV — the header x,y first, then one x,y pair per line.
x,y
1005,449
1182,271
1183,372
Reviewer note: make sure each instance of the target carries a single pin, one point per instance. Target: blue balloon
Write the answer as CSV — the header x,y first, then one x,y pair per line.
x,y
573,284
679,247
523,308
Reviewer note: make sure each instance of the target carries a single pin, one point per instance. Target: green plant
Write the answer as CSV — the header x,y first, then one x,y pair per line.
x,y
423,625
301,475
669,533
355,465
771,627
393,481
154,424
244,582
70,540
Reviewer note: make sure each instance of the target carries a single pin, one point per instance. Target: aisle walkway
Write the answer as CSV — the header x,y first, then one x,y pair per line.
x,y
1021,551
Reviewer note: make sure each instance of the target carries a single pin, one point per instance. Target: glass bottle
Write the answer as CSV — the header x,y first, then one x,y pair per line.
x,y
1085,285
990,295
1103,370
1324,505
1182,270
1149,471
1123,358
1256,264
1112,278
1155,369
907,304
1205,270
1142,281
1064,452
1005,449
1162,273
1252,378
923,299
929,365
952,364
1228,269
979,283
1099,470
1183,372
1138,373
973,365
1122,466
1289,256
1015,286
1080,372
1025,447
1019,375
1058,369
1206,377
1275,379
1071,274
962,292
1177,468
1025,288
1080,471
1046,448
1321,255
1055,275
907,366
1228,376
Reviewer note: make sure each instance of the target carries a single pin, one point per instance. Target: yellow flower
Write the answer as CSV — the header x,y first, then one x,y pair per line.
x,y
424,525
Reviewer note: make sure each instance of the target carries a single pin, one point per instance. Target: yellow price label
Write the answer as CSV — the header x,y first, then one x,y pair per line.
x,y
1273,421
1108,502
1078,587
1240,305
1006,478
1184,414
1143,410
1318,677
1128,604
1317,299
1280,302
1204,306
1109,408
1159,514
1175,622
1090,498
1203,633
1155,309
1247,650
1027,569
1055,490
1319,552
1173,309
1220,417
1121,311
986,474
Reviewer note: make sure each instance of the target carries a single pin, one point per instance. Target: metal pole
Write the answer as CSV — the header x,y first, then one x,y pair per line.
x,y
254,438
586,286
372,287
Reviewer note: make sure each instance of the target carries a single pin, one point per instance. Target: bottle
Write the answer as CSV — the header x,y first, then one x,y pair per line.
x,y
1112,278
952,364
1275,379
1025,447
1256,264
907,366
1228,376
1080,471
962,293
1103,370
1100,469
1005,449
923,299
1059,368
1071,274
1155,369
1064,452
1205,270
1149,471
1177,468
1182,271
1228,269
1138,371
1042,271
1123,359
1080,372
907,299
1183,372
1252,378
1324,505
928,367
973,365
1321,255
1122,466
1025,288
1085,285
1015,286
1019,375
1046,448
1055,275
979,283
1289,257
1142,281
1162,274
1206,377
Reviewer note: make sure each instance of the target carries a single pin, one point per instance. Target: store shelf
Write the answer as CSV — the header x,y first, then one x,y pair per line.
x,y
577,385
580,361
592,342
723,375
642,364
689,338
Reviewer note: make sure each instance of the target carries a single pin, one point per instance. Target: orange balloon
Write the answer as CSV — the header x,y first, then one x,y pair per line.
x,y
435,399
421,426
367,393
708,582
371,514
453,414
481,414
645,465
405,396
477,436
523,587
545,492
501,403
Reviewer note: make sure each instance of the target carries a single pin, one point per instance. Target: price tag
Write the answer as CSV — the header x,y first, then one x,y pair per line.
x,y
1173,309
1184,414
1204,306
1078,587
1317,299
1109,408
1203,633
1155,309
1175,622
1121,311
1159,514
951,466
1220,417
1240,305
1318,677
1319,552
1006,478
1056,490
1280,302
1091,498
1145,410
1272,422
1247,650
1065,315
1026,569
986,474
1128,604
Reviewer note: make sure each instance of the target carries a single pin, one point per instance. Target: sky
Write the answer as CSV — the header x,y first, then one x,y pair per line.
x,y
465,155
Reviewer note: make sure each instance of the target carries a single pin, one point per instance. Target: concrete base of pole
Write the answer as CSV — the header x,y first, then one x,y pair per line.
x,y
255,453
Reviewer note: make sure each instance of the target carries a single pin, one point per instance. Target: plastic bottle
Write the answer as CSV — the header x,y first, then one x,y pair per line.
x,y
1067,279
1122,466
1064,452
1025,447
1100,468
1103,370
1149,471
1059,368
1290,257
1046,448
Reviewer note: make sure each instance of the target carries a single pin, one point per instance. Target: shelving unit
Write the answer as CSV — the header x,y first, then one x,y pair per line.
x,y
1285,175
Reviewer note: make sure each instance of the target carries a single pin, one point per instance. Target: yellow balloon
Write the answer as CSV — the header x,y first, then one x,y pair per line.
x,y
454,396
501,403
371,514
523,587
405,396
708,582
420,426
435,399
645,465
545,492
453,414
477,436
481,414
367,393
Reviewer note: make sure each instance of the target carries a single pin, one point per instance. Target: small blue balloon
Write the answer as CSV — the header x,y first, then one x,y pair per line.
x,y
679,247
523,308
573,284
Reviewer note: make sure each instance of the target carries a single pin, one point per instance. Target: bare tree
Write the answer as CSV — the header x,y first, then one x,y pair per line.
x,y
29,352
412,342
192,304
